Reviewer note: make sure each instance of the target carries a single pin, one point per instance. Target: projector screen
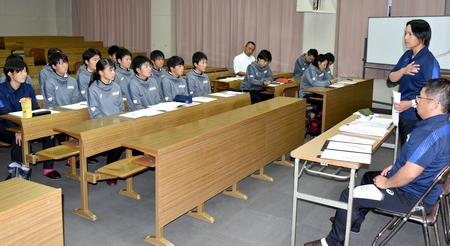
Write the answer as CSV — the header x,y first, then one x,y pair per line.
x,y
385,39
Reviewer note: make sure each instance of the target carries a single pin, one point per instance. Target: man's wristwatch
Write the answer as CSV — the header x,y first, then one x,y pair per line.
x,y
414,103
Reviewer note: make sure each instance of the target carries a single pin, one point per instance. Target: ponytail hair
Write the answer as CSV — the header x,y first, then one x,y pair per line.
x,y
101,65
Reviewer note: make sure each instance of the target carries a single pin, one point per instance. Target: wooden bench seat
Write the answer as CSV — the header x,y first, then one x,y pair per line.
x,y
123,168
146,160
54,153
3,144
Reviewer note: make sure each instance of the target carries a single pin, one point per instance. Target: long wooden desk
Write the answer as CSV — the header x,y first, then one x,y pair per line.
x,y
311,152
106,133
42,126
217,152
340,102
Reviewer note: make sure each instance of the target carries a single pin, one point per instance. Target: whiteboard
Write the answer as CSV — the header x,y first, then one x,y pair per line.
x,y
385,39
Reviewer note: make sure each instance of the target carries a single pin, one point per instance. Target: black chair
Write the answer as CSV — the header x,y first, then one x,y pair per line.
x,y
426,218
444,210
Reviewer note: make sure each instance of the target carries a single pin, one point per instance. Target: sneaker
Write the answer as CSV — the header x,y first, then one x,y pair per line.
x,y
53,175
24,172
13,169
354,230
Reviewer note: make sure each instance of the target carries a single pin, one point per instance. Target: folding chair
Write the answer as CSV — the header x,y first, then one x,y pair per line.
x,y
425,218
444,200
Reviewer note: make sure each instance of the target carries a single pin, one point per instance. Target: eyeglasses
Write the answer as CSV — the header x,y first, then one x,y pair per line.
x,y
419,97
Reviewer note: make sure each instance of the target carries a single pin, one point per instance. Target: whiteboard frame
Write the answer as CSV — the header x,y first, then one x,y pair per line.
x,y
385,41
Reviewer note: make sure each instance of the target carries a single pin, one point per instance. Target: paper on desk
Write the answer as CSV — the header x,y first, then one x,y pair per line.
x,y
19,113
363,130
346,156
167,106
229,79
79,105
273,85
352,147
369,191
347,82
372,121
337,85
395,115
226,93
351,139
141,113
203,99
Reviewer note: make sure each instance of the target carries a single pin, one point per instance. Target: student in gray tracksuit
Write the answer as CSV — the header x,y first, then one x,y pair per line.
x,y
143,90
47,70
258,74
330,58
123,71
174,84
104,98
60,89
196,79
158,71
303,62
84,73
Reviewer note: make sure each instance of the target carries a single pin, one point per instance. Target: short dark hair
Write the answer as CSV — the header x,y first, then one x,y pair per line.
x,y
53,50
197,57
421,30
265,55
319,58
330,57
313,52
121,53
250,42
439,89
155,54
174,61
14,65
14,56
138,61
89,53
113,49
56,57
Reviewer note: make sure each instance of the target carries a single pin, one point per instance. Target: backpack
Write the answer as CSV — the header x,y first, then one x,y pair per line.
x,y
315,127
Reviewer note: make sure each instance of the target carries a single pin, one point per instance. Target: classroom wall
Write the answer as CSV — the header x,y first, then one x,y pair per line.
x,y
31,17
163,26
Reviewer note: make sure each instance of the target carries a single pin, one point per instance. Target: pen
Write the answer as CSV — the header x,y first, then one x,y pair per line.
x,y
370,118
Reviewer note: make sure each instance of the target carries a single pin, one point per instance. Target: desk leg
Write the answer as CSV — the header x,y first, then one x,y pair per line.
x,y
284,162
350,206
235,193
73,169
25,151
84,210
158,239
295,199
262,175
129,190
201,215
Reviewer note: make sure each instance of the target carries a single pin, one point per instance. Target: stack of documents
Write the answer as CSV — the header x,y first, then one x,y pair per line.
x,y
346,148
371,126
